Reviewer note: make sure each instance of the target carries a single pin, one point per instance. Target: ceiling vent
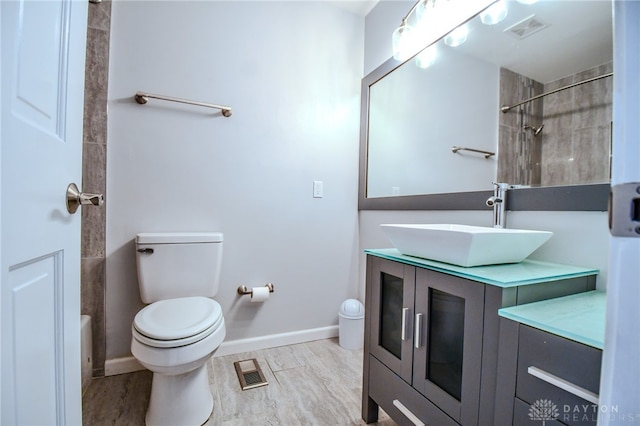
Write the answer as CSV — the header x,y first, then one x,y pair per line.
x,y
526,27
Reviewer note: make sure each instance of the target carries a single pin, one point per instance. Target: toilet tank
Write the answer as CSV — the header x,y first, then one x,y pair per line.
x,y
178,264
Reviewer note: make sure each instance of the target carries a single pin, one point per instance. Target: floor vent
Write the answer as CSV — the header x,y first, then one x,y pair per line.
x,y
249,374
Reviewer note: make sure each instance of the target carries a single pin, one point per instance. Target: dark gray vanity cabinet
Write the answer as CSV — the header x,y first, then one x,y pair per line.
x,y
543,376
448,342
418,333
431,340
391,342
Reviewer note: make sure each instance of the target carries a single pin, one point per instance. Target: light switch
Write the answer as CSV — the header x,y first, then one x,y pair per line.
x,y
317,189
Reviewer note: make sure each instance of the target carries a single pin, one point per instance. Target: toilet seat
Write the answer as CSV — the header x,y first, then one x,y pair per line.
x,y
177,322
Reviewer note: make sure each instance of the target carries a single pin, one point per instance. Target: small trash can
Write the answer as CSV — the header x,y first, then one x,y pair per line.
x,y
351,324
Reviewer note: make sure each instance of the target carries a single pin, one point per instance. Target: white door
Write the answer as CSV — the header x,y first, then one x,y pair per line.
x,y
620,379
43,53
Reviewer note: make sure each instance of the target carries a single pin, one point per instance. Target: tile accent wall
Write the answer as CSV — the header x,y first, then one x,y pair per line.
x,y
577,132
519,151
94,166
575,145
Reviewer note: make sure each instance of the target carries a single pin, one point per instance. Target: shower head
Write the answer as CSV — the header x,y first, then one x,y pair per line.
x,y
536,130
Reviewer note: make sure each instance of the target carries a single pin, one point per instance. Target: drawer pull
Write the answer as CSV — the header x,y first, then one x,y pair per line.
x,y
564,385
418,328
405,316
407,413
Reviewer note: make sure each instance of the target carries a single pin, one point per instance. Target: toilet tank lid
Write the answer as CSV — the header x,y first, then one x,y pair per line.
x,y
178,237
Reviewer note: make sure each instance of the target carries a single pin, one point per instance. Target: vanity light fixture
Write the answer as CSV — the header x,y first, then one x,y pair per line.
x,y
403,40
409,39
421,27
457,36
424,9
494,14
427,57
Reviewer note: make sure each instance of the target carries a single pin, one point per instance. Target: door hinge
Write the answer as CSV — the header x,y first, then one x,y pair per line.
x,y
624,210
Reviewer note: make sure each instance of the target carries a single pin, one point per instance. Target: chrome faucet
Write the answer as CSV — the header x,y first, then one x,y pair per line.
x,y
499,203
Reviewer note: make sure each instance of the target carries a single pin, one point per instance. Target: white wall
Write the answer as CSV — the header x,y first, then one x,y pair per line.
x,y
580,238
291,72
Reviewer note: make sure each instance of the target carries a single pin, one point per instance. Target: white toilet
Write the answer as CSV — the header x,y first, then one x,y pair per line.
x,y
176,334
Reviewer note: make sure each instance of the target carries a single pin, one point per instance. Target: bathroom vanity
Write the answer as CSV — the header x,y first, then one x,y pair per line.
x,y
549,361
432,333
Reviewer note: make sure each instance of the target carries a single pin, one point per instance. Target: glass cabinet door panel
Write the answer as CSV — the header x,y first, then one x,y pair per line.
x,y
447,365
446,341
391,291
391,314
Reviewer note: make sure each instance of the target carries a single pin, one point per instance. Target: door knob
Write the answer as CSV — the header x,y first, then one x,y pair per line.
x,y
76,198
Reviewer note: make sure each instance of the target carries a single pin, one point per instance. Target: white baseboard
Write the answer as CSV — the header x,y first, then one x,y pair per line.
x,y
274,340
130,364
127,364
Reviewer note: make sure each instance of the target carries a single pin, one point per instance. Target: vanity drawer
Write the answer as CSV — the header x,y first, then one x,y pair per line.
x,y
557,369
394,396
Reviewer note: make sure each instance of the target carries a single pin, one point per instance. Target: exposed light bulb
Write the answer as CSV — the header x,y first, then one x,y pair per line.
x,y
527,1
403,42
494,14
427,57
425,9
457,36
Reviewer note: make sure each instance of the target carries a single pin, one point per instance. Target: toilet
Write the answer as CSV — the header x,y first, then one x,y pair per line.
x,y
182,326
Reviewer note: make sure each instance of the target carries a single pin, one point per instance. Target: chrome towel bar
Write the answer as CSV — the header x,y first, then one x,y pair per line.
x,y
143,97
486,154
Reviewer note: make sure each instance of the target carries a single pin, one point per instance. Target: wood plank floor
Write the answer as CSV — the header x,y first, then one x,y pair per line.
x,y
313,383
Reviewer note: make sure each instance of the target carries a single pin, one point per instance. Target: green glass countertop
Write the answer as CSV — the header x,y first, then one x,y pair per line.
x,y
579,317
507,275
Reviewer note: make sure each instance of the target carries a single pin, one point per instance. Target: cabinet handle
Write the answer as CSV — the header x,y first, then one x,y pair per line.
x,y
405,316
418,328
561,383
407,413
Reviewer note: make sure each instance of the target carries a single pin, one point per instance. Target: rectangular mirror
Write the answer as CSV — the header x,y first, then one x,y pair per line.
x,y
438,129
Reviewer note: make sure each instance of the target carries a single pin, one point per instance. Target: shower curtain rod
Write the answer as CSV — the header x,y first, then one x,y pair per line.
x,y
589,80
143,97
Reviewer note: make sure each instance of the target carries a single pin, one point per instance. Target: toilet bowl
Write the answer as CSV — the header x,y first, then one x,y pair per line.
x,y
177,354
181,327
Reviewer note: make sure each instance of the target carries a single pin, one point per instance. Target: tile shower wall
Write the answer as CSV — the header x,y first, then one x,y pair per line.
x,y
94,175
577,133
575,145
519,150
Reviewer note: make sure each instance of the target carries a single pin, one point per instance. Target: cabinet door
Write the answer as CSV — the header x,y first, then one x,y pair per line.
x,y
392,286
448,343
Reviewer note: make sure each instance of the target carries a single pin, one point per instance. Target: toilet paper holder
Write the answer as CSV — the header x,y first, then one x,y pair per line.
x,y
243,290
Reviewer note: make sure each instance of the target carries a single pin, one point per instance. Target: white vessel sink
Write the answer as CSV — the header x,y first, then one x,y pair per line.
x,y
465,245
